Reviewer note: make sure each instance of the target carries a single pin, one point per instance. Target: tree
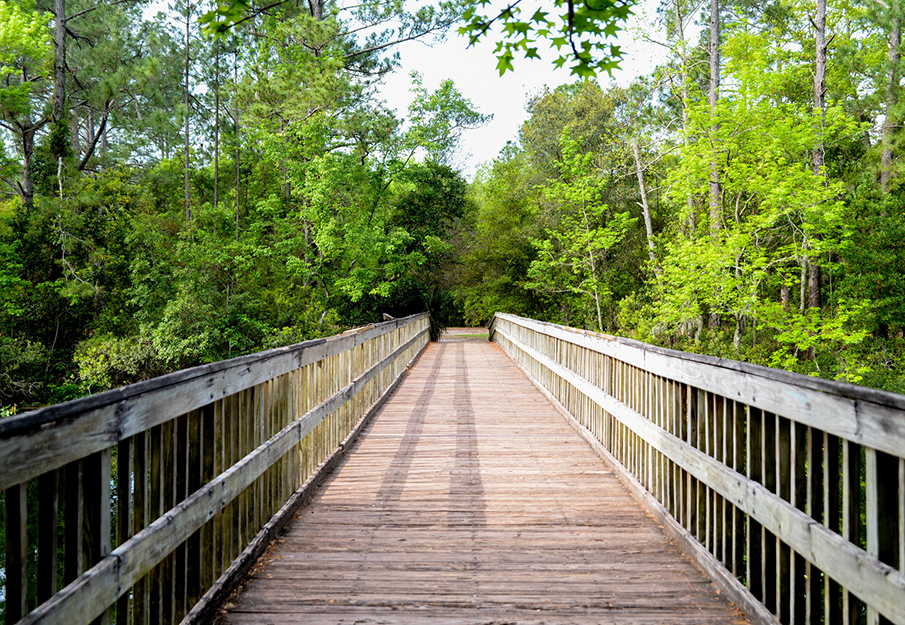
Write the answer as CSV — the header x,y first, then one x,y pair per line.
x,y
572,257
438,119
25,64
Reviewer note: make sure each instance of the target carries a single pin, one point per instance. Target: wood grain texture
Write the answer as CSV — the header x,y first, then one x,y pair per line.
x,y
832,562
470,500
862,415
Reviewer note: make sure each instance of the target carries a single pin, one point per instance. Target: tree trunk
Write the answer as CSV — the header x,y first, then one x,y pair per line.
x,y
93,137
216,123
238,147
27,186
317,9
59,62
188,23
819,151
892,88
89,128
680,32
75,125
645,207
713,96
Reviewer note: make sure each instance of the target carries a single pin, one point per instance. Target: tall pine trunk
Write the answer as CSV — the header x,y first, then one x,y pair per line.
x,y
238,145
27,185
892,90
59,62
216,123
814,300
713,96
680,33
188,22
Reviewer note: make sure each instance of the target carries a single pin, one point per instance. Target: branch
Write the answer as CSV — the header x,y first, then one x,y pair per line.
x,y
389,44
473,39
100,131
95,7
256,13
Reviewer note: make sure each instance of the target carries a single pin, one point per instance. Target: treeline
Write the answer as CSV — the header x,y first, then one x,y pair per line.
x,y
744,201
173,199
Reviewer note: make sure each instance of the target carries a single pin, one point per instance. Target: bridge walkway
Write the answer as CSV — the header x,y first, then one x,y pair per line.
x,y
469,499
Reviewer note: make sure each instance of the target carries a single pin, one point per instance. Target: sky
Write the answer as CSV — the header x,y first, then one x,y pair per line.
x,y
473,70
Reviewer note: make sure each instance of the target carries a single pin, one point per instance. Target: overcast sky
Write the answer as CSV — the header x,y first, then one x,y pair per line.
x,y
474,72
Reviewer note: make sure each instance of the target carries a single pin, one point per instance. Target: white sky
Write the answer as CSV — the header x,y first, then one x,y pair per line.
x,y
476,77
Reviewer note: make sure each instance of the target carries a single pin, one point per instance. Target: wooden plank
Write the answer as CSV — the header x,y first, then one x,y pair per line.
x,y
208,438
798,498
123,517
155,511
832,508
97,518
478,500
73,502
48,515
784,583
754,534
193,482
814,606
872,581
141,494
16,549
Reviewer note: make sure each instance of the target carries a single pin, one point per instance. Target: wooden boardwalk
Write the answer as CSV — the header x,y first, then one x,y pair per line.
x,y
469,499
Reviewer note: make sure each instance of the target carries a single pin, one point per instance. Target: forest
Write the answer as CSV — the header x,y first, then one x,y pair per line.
x,y
171,198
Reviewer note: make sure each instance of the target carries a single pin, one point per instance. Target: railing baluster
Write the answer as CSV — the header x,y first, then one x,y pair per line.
x,y
123,517
16,548
96,520
48,519
73,510
140,520
815,510
168,500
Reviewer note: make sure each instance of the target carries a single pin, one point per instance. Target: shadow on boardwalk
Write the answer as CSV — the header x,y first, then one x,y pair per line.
x,y
469,499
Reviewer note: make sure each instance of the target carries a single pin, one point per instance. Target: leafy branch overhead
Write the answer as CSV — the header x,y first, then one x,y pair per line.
x,y
579,32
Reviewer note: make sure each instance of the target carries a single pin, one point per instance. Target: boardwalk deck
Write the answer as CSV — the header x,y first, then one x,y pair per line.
x,y
469,499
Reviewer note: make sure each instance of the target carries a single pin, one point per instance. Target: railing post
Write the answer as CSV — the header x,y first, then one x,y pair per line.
x,y
123,516
16,544
97,513
48,518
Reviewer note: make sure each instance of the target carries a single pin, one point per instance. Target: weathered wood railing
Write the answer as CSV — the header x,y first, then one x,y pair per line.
x,y
788,490
142,504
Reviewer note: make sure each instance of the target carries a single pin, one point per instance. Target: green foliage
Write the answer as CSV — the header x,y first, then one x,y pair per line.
x,y
582,28
319,209
438,119
107,361
24,40
573,257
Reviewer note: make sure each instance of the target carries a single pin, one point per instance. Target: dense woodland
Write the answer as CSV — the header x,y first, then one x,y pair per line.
x,y
171,198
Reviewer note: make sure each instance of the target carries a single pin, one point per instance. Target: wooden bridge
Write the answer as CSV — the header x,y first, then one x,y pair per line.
x,y
469,495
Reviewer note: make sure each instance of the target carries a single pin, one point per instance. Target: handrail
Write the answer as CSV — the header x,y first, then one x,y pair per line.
x,y
169,487
788,490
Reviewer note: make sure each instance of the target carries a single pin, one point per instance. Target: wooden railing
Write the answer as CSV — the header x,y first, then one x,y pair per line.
x,y
788,490
144,504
